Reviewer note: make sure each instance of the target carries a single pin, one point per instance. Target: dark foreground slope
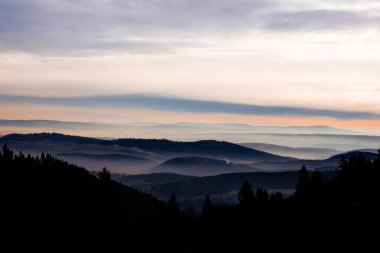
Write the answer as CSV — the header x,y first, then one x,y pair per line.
x,y
46,201
44,198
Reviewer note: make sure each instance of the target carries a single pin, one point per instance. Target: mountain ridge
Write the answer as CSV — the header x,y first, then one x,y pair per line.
x,y
83,149
217,127
200,166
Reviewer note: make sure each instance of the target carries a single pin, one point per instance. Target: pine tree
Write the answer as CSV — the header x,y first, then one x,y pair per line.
x,y
172,208
303,185
246,195
262,196
104,175
7,154
207,207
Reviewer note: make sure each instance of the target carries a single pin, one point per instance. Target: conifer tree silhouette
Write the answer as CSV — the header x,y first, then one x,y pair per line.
x,y
246,195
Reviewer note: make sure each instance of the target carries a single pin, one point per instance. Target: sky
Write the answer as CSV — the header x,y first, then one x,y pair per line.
x,y
259,62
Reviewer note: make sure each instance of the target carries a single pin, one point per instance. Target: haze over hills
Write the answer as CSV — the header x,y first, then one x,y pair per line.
x,y
144,128
221,184
366,154
223,188
200,166
191,169
293,136
297,152
137,156
174,125
134,155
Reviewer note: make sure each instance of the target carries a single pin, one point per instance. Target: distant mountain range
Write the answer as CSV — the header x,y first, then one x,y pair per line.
x,y
196,158
190,169
141,155
184,127
298,152
322,137
207,148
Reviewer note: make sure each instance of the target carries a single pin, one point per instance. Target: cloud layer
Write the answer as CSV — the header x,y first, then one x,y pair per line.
x,y
186,105
143,26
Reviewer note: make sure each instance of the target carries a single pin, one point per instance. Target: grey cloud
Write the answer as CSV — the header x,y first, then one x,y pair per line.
x,y
317,19
186,105
143,26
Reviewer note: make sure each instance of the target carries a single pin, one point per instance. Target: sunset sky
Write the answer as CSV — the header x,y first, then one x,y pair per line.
x,y
259,62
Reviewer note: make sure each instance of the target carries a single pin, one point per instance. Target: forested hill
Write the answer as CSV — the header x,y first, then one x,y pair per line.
x,y
210,148
55,196
46,200
53,137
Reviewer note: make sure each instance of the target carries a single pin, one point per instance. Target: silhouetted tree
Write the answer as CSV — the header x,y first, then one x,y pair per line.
x,y
357,180
172,207
303,183
261,196
6,154
104,175
43,158
190,211
246,195
277,197
376,162
317,177
70,203
21,155
207,207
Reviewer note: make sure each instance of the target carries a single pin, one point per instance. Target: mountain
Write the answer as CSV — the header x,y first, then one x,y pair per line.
x,y
196,158
298,152
50,137
132,155
209,148
328,164
178,128
367,155
292,136
199,166
114,157
118,163
223,188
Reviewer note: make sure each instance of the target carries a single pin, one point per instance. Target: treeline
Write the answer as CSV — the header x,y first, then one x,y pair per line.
x,y
47,199
327,212
353,186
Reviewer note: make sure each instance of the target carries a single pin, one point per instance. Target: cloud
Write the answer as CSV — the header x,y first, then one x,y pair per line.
x,y
318,20
142,26
186,105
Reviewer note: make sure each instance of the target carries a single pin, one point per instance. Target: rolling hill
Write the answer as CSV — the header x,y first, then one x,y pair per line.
x,y
199,166
297,152
368,155
223,188
209,148
134,156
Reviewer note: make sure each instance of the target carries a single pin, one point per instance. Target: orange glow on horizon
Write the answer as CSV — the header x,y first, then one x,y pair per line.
x,y
119,115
